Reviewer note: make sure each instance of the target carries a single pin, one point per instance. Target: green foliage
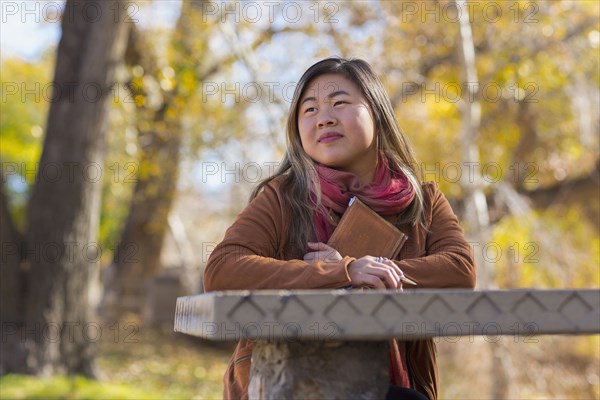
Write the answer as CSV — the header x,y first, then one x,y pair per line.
x,y
26,95
24,111
62,387
22,129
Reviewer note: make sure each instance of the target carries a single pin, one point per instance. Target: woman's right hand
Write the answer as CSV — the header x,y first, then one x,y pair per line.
x,y
375,272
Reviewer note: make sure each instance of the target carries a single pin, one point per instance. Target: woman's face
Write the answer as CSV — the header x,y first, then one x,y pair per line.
x,y
336,127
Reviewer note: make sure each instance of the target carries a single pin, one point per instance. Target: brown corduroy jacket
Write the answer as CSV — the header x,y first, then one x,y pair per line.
x,y
254,256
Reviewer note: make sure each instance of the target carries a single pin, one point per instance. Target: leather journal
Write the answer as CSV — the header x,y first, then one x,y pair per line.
x,y
361,232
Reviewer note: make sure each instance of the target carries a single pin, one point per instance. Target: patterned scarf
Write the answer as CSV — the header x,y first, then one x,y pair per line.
x,y
389,193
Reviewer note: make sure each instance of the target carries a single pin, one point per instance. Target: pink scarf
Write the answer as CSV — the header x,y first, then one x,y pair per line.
x,y
389,193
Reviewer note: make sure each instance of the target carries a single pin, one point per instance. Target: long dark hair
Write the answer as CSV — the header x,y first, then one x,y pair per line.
x,y
298,168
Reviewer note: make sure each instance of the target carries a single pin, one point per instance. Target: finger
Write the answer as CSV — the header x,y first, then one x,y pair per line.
x,y
385,265
313,255
328,257
391,279
387,275
309,257
391,263
395,266
372,281
376,266
402,276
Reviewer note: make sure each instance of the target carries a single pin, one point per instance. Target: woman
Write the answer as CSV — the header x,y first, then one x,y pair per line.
x,y
343,141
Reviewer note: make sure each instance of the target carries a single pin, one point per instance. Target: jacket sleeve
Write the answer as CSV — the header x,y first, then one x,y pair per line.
x,y
448,259
251,255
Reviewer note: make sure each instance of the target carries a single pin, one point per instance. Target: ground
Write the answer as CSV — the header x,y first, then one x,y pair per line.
x,y
139,362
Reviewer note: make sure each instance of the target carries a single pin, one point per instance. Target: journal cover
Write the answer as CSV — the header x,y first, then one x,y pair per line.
x,y
361,232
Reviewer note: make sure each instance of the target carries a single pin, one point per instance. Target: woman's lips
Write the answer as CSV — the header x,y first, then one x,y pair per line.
x,y
330,137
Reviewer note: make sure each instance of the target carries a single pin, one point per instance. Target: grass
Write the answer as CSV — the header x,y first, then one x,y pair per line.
x,y
145,364
158,364
61,387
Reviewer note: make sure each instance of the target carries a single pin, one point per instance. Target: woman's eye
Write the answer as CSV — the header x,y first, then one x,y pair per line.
x,y
309,109
340,102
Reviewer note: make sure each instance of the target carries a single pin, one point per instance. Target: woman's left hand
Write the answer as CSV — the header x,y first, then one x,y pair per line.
x,y
322,252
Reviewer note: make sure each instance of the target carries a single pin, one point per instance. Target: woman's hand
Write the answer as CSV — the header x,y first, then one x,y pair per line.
x,y
322,252
375,272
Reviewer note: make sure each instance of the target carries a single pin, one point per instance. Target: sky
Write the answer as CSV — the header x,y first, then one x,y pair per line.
x,y
29,27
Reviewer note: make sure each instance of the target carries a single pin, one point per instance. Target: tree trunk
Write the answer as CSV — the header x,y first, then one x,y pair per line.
x,y
476,206
475,202
137,257
12,351
64,209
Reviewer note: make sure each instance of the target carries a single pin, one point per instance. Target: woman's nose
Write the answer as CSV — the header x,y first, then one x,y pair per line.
x,y
326,118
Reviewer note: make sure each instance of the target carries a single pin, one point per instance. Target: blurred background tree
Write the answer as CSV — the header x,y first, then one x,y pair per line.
x,y
500,100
